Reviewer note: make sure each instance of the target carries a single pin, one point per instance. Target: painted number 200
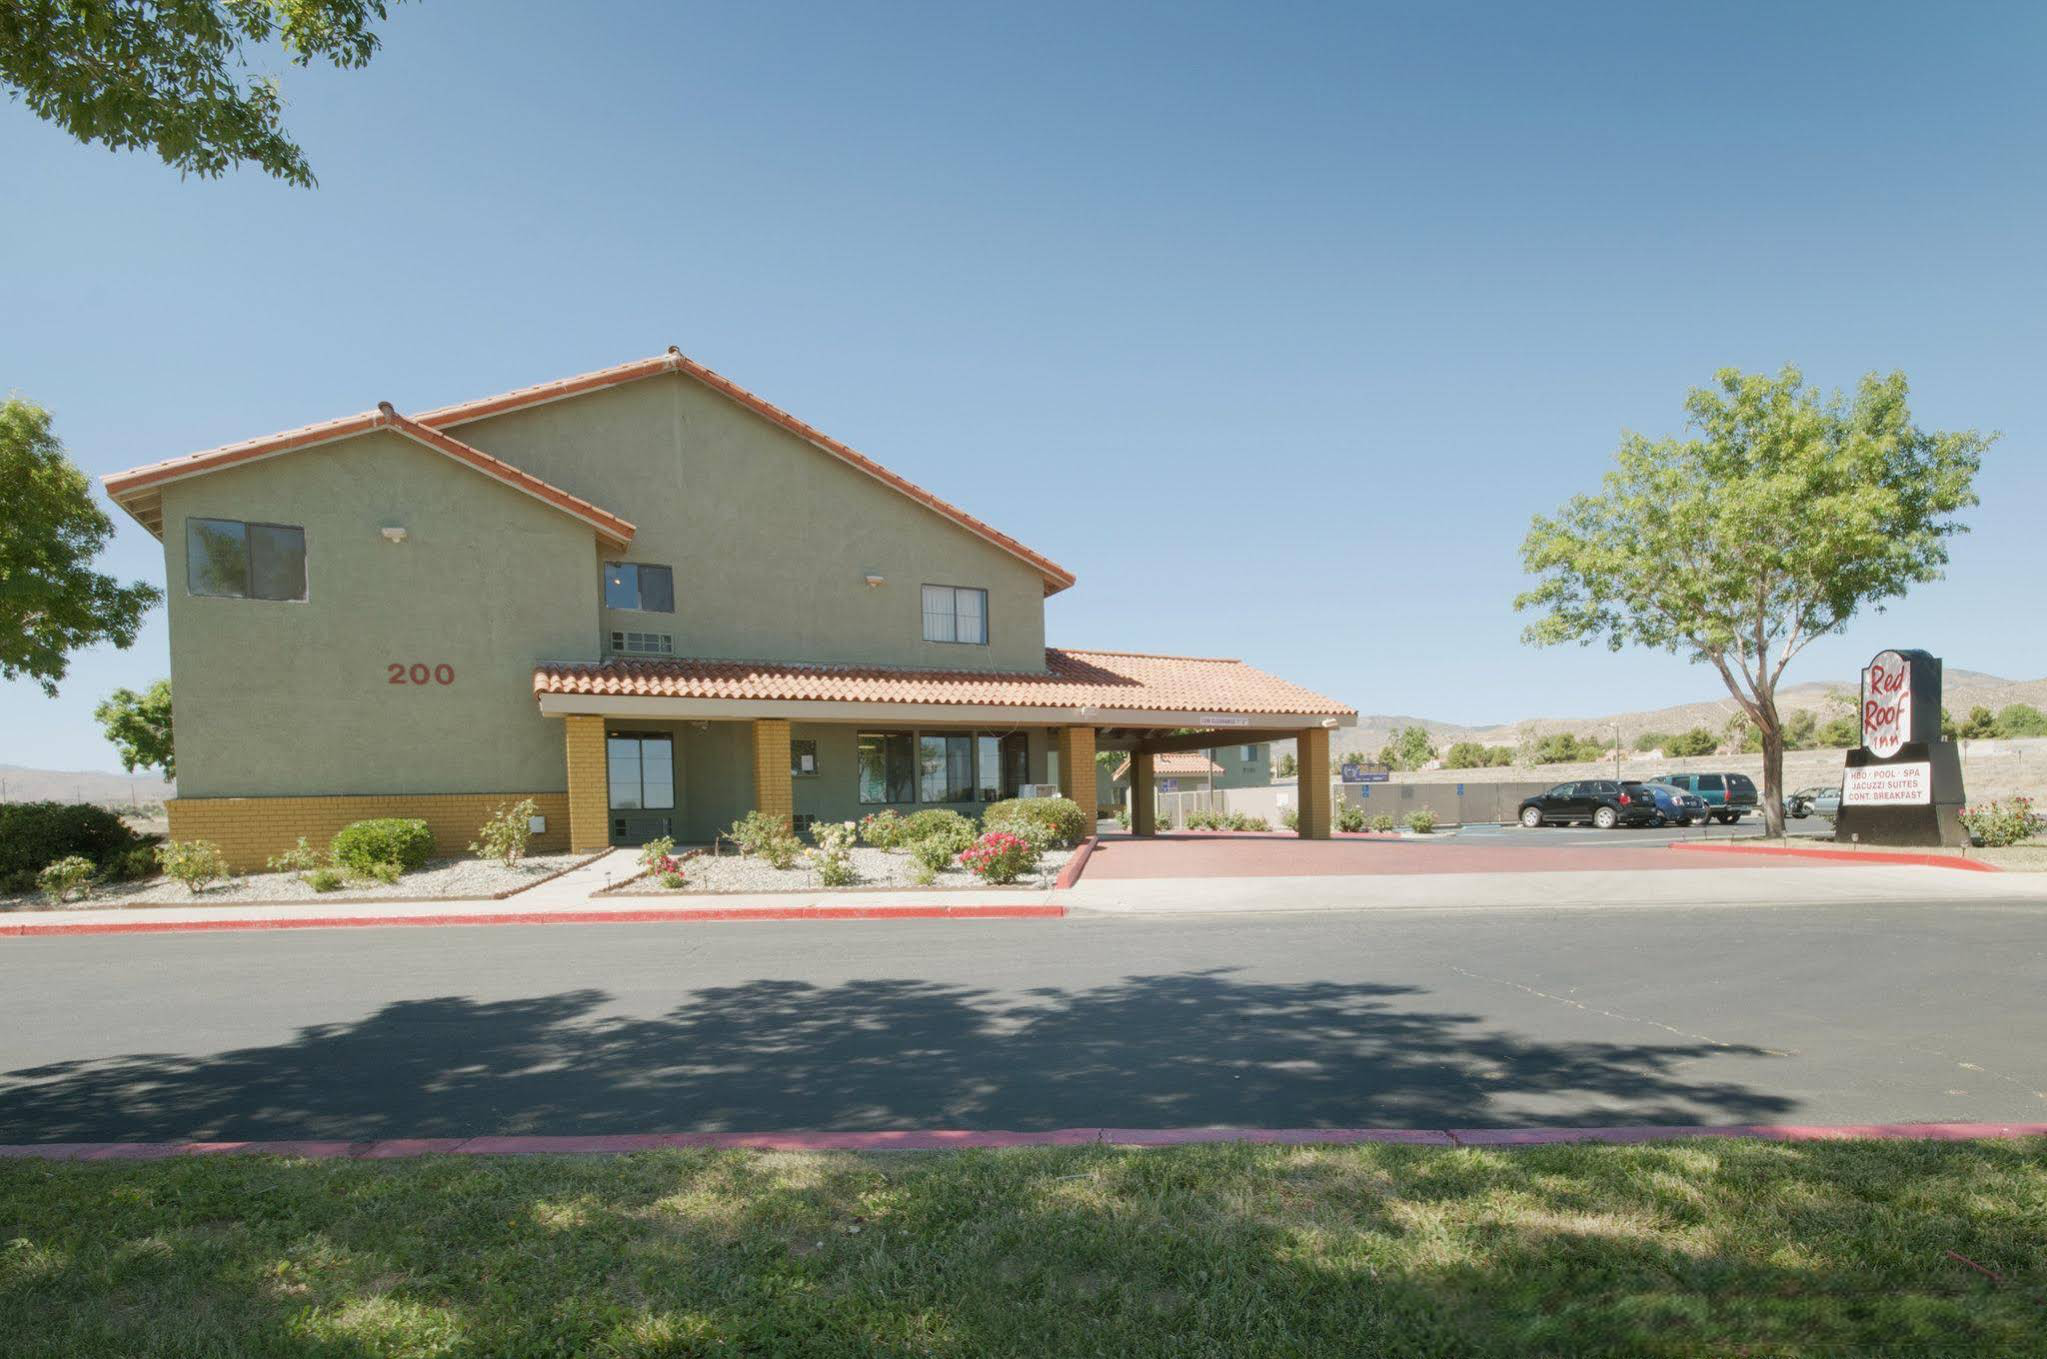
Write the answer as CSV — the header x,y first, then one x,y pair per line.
x,y
419,672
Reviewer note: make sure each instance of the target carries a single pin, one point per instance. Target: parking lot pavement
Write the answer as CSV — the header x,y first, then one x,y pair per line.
x,y
1748,828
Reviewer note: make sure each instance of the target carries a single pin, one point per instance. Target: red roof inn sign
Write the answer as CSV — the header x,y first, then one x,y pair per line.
x,y
1904,785
1890,717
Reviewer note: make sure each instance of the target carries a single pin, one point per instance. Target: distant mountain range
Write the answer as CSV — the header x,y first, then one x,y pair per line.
x,y
1961,691
20,784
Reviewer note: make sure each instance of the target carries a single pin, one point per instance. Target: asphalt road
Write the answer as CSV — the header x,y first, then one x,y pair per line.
x,y
1670,1014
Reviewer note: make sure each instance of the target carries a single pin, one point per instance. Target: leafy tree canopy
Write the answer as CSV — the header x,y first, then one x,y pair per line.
x,y
139,725
52,602
1410,748
1773,521
171,75
2016,721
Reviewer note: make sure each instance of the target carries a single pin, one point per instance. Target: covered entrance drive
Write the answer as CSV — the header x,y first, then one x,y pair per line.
x,y
685,747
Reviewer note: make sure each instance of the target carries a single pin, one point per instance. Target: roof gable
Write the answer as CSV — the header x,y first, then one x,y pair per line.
x,y
1056,577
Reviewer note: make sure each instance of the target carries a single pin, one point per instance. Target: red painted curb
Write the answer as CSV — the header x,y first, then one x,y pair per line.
x,y
940,1139
1845,855
1070,874
640,917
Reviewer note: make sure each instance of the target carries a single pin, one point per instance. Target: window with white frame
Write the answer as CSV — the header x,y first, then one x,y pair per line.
x,y
1250,754
956,613
642,643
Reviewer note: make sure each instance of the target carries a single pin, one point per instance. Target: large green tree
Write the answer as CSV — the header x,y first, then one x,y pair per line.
x,y
172,75
52,602
139,725
1779,515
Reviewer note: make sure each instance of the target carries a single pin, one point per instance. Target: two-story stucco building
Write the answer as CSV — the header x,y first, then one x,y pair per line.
x,y
648,600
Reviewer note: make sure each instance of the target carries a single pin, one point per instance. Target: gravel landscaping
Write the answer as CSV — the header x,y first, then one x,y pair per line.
x,y
441,879
871,868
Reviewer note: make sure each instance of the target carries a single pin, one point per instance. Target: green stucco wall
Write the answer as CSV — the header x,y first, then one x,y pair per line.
x,y
287,698
1237,772
770,538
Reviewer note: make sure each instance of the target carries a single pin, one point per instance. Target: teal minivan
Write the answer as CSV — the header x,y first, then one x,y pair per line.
x,y
1728,797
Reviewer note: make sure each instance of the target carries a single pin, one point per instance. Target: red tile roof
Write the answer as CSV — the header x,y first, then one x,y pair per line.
x,y
1173,764
1073,679
138,490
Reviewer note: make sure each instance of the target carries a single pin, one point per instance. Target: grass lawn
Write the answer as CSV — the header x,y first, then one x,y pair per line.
x,y
1692,1248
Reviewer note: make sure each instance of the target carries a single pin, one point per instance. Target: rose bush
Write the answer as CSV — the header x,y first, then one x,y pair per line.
x,y
999,857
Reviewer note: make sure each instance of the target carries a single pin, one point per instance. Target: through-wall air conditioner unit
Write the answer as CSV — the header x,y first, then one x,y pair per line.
x,y
1038,790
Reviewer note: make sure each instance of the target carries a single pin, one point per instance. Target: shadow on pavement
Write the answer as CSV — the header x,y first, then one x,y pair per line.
x,y
1198,1048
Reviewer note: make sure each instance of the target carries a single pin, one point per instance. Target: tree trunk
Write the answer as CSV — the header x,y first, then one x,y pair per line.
x,y
1773,772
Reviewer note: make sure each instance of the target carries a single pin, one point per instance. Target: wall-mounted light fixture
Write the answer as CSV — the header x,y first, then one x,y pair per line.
x,y
394,533
874,581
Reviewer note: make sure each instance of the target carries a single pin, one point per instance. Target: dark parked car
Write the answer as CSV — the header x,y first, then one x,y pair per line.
x,y
1672,804
1728,797
1603,802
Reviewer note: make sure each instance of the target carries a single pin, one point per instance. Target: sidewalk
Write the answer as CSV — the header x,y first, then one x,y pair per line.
x,y
1592,888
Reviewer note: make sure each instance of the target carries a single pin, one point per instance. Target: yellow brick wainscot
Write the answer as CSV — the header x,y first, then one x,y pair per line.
x,y
249,830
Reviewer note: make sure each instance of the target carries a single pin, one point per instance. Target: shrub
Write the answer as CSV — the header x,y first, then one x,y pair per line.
x,y
325,880
1249,823
1382,823
33,834
386,871
1123,818
655,851
833,855
195,863
884,830
510,829
670,878
781,850
137,863
938,850
1061,817
1198,820
1000,857
385,840
1997,824
1291,819
302,858
756,830
919,825
1349,817
923,874
1421,821
72,873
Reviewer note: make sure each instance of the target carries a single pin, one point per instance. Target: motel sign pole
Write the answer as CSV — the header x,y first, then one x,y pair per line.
x,y
1903,785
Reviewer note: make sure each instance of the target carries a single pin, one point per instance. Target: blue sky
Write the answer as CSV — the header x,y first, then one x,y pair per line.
x,y
1312,306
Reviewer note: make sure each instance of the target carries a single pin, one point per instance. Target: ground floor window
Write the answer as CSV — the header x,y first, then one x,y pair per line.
x,y
641,770
942,767
886,767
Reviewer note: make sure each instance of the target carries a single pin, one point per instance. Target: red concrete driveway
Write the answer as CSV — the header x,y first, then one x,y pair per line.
x,y
1183,855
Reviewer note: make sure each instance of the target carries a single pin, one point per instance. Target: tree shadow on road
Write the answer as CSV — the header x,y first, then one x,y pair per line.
x,y
1195,1048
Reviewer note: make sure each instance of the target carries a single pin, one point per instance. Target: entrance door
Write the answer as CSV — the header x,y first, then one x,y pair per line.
x,y
641,773
1016,763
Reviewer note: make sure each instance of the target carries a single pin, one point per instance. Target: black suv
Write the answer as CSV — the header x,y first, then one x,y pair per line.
x,y
1603,802
1728,797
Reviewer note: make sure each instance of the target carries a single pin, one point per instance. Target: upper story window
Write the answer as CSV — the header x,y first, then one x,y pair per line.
x,y
229,558
636,585
955,613
1250,754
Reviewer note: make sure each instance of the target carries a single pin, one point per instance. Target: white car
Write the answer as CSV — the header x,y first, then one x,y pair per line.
x,y
1826,803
